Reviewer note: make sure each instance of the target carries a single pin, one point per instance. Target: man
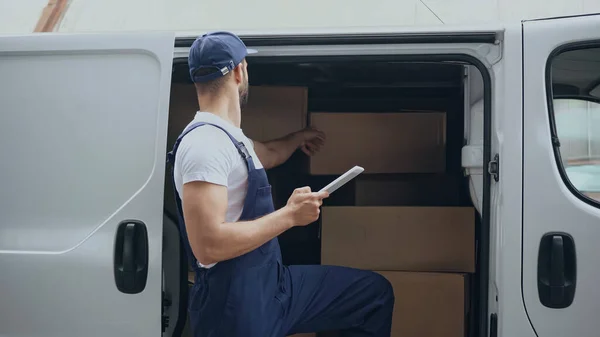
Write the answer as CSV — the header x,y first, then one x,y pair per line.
x,y
230,227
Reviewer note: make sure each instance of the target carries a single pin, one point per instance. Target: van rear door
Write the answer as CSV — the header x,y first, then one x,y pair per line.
x,y
83,123
561,203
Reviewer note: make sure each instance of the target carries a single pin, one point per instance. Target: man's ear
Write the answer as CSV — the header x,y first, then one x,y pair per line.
x,y
238,73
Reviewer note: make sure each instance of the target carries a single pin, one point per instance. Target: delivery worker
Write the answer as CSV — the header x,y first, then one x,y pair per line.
x,y
230,228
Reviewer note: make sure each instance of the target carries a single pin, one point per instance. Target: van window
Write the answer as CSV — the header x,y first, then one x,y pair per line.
x,y
575,100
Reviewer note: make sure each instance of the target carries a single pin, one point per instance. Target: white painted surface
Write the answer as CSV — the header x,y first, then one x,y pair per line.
x,y
74,110
547,203
508,139
195,15
505,240
20,16
185,15
472,152
203,15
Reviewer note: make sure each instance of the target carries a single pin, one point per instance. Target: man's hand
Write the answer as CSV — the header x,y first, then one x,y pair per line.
x,y
304,205
275,152
311,140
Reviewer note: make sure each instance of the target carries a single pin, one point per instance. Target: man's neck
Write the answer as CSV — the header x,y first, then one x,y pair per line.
x,y
227,109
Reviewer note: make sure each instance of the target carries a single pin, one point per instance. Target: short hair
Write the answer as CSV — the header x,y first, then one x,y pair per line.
x,y
212,86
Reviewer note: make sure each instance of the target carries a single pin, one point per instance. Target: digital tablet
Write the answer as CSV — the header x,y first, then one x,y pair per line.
x,y
343,179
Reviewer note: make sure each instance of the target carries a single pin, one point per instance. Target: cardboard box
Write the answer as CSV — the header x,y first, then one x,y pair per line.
x,y
429,304
380,142
273,112
183,106
399,238
408,190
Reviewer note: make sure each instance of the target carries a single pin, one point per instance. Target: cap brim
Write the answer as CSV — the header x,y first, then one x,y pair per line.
x,y
252,51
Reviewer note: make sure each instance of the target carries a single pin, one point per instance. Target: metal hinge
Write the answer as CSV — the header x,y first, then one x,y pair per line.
x,y
494,167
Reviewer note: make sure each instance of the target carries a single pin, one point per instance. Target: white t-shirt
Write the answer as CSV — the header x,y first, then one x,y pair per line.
x,y
208,154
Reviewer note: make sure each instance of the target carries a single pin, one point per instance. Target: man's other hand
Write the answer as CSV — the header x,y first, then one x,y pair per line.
x,y
311,140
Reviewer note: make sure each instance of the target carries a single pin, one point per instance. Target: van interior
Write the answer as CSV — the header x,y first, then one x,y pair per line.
x,y
416,126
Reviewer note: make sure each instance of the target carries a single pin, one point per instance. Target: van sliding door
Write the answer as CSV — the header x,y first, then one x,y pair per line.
x,y
561,175
83,122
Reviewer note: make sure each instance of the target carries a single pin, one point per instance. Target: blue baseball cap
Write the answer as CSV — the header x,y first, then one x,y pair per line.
x,y
222,51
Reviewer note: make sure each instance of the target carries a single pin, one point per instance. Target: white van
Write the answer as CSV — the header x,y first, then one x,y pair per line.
x,y
86,248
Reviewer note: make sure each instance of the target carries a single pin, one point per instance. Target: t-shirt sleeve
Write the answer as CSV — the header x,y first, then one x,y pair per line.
x,y
206,154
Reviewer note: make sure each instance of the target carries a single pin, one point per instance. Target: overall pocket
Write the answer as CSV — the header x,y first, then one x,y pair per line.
x,y
264,198
282,296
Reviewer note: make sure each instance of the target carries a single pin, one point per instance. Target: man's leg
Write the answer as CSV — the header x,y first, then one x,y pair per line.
x,y
324,298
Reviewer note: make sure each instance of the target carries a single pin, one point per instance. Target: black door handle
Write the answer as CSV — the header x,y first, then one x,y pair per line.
x,y
557,270
131,256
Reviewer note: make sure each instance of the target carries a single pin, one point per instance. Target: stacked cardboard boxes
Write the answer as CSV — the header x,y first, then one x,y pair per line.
x,y
406,222
439,239
425,252
271,111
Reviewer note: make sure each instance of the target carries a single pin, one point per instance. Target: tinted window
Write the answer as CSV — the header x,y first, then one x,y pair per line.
x,y
576,115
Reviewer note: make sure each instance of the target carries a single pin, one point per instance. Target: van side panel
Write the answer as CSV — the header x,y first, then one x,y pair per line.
x,y
83,135
561,230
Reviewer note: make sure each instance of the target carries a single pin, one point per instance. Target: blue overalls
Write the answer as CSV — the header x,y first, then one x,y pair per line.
x,y
255,295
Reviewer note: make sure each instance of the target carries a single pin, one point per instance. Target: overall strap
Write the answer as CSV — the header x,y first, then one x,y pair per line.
x,y
238,145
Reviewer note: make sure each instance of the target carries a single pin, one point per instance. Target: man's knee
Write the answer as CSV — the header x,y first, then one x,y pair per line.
x,y
383,286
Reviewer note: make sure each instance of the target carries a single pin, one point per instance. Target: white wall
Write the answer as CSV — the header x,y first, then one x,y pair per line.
x,y
17,17
201,15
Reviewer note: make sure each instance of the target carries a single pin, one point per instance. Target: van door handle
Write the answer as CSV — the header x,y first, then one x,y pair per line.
x,y
556,270
131,256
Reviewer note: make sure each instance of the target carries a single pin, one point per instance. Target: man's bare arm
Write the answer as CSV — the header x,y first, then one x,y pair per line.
x,y
213,240
275,152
